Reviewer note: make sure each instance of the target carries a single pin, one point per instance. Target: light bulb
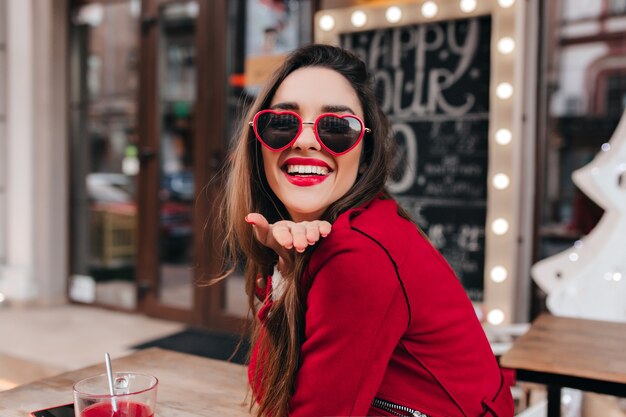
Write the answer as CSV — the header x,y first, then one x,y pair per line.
x,y
506,45
504,91
429,9
573,256
578,244
498,273
91,14
393,14
135,8
506,3
501,181
467,6
606,147
327,23
617,276
192,9
500,226
358,18
495,316
504,136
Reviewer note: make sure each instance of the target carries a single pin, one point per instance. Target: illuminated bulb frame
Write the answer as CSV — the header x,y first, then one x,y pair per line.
x,y
358,14
496,316
503,137
429,3
501,181
329,25
390,14
470,10
498,274
506,45
506,3
504,114
500,226
505,91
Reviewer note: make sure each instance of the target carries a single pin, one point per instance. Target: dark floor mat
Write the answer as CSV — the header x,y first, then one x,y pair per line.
x,y
202,343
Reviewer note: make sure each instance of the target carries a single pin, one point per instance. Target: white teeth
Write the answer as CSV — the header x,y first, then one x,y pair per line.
x,y
306,169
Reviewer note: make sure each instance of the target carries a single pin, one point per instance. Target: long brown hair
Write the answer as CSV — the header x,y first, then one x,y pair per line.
x,y
247,191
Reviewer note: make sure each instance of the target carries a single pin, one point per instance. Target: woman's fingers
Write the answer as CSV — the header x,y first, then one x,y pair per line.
x,y
261,226
298,231
282,234
324,227
285,235
312,233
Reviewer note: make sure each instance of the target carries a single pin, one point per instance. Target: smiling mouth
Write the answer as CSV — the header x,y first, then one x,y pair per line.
x,y
306,170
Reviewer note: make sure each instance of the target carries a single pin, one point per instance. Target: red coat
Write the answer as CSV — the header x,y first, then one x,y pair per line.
x,y
387,318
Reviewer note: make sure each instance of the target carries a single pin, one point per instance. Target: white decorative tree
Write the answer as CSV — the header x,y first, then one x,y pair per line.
x,y
589,280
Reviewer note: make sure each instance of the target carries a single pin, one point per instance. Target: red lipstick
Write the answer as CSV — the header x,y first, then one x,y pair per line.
x,y
306,180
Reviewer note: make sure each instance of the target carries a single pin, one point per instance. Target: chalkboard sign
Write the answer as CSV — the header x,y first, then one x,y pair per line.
x,y
433,83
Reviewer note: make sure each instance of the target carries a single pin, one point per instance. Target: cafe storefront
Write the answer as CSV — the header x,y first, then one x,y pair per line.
x,y
523,94
116,115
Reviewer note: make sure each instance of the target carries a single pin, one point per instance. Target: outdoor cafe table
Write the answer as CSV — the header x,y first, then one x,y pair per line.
x,y
589,355
189,386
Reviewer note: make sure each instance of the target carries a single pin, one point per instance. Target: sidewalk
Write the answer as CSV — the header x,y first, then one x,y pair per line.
x,y
37,342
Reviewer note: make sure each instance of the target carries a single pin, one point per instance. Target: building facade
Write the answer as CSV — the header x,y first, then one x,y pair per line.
x,y
115,117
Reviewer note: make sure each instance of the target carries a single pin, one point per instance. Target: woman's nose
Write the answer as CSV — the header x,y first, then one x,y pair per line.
x,y
306,139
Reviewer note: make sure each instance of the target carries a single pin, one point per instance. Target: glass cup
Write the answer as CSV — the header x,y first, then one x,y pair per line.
x,y
135,396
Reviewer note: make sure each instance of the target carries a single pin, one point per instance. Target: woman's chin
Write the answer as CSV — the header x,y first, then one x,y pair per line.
x,y
305,210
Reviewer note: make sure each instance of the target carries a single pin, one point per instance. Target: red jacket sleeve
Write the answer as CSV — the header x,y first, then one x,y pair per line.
x,y
355,316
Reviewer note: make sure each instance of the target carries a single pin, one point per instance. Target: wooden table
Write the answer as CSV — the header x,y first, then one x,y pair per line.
x,y
189,386
560,352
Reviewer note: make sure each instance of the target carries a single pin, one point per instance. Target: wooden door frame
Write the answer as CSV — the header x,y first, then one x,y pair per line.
x,y
212,90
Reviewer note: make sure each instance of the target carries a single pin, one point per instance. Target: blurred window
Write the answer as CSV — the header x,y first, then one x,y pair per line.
x,y
617,6
104,81
585,88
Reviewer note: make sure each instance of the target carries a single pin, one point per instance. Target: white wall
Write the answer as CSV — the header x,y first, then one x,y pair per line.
x,y
35,194
17,275
3,151
51,140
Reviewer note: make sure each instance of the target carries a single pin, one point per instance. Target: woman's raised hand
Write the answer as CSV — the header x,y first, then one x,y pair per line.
x,y
286,235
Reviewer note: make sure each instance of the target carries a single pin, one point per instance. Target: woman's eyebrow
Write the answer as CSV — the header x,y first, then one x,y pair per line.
x,y
336,108
329,108
285,106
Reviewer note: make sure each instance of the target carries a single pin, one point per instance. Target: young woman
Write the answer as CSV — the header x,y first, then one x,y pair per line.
x,y
359,314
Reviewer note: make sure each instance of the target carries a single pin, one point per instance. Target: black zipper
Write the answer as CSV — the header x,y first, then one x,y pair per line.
x,y
396,409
